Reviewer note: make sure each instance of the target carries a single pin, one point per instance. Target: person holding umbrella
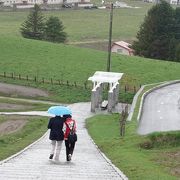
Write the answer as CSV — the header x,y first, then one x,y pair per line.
x,y
70,127
56,129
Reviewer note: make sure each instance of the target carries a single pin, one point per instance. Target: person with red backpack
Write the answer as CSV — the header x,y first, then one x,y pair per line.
x,y
70,136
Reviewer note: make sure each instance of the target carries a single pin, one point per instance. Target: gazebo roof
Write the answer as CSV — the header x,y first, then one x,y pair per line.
x,y
105,77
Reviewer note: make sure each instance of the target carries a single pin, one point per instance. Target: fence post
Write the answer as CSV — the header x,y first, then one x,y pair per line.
x,y
43,80
67,83
125,88
12,75
35,78
27,78
85,84
51,81
134,89
19,76
124,115
4,74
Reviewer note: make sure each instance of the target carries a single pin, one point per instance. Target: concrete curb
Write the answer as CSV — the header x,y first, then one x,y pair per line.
x,y
134,103
23,150
151,90
136,98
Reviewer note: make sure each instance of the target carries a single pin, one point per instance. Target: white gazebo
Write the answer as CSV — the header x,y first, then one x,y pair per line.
x,y
98,79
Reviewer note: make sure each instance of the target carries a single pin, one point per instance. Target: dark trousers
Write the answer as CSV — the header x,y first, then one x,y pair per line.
x,y
69,148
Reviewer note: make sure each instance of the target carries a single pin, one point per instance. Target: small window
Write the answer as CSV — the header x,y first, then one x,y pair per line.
x,y
119,50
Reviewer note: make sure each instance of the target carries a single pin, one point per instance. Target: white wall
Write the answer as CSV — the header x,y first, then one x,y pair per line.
x,y
11,2
119,50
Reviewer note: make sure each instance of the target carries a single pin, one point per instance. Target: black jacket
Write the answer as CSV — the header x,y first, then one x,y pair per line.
x,y
56,127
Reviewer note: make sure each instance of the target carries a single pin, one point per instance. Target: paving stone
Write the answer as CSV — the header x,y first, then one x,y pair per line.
x,y
87,163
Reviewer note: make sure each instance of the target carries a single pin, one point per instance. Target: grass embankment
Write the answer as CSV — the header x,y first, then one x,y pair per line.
x,y
65,62
14,142
156,163
10,105
152,157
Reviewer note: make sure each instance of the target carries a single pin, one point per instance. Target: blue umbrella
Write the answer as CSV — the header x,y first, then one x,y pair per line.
x,y
59,110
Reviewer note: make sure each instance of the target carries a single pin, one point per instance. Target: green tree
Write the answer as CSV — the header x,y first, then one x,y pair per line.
x,y
177,34
156,34
34,26
54,30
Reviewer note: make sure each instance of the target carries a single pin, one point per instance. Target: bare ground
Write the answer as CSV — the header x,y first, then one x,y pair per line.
x,y
10,106
13,123
11,89
11,126
170,160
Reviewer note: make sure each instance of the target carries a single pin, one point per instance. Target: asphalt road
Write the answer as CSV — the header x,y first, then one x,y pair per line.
x,y
161,110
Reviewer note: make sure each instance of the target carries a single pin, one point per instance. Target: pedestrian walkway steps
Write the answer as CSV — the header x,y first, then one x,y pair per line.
x,y
87,161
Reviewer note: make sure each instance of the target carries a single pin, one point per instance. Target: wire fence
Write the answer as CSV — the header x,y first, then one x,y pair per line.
x,y
52,81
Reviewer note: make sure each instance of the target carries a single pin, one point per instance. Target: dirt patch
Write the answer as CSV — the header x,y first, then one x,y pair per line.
x,y
9,106
175,156
17,90
101,46
172,161
11,126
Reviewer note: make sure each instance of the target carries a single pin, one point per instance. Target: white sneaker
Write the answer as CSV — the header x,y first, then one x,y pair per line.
x,y
56,159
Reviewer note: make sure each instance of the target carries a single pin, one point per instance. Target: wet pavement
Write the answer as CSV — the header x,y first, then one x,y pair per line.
x,y
161,110
88,163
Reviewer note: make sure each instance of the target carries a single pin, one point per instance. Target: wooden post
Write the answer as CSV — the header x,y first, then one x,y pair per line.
x,y
124,115
75,84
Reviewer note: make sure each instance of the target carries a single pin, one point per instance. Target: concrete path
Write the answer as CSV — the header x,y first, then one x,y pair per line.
x,y
161,111
88,163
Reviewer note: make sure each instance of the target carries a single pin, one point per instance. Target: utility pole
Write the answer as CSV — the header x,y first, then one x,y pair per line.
x,y
110,36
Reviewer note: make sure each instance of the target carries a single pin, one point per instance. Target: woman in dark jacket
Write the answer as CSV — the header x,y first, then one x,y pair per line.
x,y
56,136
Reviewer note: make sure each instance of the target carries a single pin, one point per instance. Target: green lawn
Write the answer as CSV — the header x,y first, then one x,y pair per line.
x,y
11,105
136,162
84,25
65,62
14,142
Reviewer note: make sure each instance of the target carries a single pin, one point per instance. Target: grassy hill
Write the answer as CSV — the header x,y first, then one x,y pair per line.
x,y
84,25
65,62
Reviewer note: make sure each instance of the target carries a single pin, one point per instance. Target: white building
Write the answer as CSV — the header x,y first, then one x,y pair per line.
x,y
175,2
122,47
32,2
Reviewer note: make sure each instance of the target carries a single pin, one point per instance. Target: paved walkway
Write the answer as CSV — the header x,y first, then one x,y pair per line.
x,y
88,163
161,110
